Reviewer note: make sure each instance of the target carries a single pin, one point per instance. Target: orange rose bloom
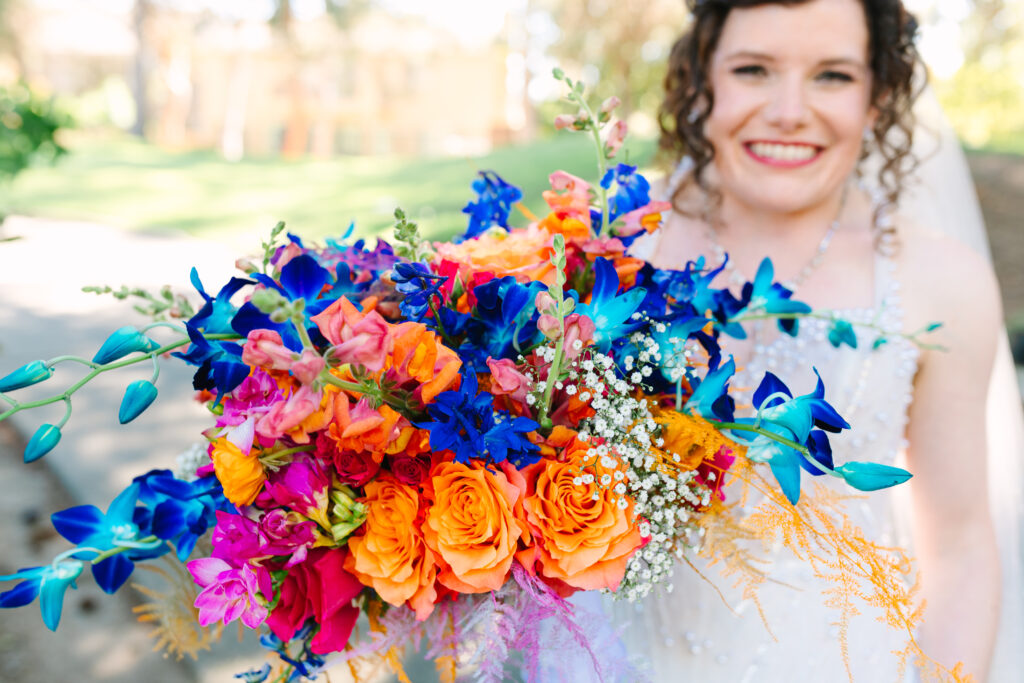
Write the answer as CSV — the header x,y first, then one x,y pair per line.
x,y
390,555
241,475
471,526
583,542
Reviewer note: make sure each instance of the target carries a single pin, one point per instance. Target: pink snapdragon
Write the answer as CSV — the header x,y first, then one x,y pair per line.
x,y
646,218
359,338
506,380
265,349
616,136
578,328
286,415
230,592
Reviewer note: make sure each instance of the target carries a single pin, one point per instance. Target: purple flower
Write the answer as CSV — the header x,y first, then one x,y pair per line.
x,y
229,592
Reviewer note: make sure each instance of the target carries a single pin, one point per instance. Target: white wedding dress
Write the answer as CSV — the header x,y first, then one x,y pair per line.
x,y
692,634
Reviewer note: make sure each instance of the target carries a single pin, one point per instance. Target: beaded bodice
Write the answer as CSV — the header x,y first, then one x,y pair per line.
x,y
706,629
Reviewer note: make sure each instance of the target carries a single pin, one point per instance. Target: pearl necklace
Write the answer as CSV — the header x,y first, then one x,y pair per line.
x,y
738,279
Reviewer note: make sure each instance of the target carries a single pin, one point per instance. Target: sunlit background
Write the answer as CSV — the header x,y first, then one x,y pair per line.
x,y
141,137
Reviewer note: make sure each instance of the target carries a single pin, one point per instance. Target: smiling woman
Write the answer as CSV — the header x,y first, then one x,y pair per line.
x,y
773,108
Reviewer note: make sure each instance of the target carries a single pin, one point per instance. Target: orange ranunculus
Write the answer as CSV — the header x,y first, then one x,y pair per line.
x,y
471,526
581,541
390,554
692,438
362,428
241,475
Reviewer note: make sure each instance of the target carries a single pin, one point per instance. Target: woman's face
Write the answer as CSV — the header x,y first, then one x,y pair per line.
x,y
792,88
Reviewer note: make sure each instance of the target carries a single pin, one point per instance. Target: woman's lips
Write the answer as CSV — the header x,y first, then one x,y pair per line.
x,y
784,155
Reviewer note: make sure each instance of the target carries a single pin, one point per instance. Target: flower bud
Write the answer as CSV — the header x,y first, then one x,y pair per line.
x,y
609,104
615,138
122,342
267,300
549,327
544,302
346,514
26,375
137,397
564,121
42,442
869,476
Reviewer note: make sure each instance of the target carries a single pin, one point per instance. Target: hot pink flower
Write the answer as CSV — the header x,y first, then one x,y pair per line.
x,y
286,533
320,588
229,592
301,485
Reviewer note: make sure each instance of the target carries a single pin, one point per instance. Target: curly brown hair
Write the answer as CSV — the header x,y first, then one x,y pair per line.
x,y
894,65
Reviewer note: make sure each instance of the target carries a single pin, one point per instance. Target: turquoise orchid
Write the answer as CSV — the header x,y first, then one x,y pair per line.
x,y
123,341
139,395
611,312
42,442
48,583
27,375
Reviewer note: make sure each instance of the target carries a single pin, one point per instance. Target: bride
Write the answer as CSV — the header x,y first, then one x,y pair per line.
x,y
774,108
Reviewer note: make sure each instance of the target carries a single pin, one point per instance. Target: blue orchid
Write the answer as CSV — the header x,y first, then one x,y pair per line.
x,y
710,398
611,312
216,314
94,532
27,375
220,363
505,317
802,420
632,191
301,278
178,511
771,297
841,332
48,583
122,342
493,204
467,423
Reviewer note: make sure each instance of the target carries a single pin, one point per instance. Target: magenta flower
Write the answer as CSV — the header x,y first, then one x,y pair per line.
x,y
286,415
302,486
284,533
230,592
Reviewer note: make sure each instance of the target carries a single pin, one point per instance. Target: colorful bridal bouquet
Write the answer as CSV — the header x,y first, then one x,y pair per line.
x,y
447,440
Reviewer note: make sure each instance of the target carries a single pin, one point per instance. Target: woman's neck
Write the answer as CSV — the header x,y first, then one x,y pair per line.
x,y
740,223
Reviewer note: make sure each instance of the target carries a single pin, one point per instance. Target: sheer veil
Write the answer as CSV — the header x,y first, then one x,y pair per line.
x,y
943,199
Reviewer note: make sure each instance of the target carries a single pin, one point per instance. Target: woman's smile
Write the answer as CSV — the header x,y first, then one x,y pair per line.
x,y
783,154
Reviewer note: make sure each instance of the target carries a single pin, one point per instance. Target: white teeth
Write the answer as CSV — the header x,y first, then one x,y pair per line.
x,y
769,150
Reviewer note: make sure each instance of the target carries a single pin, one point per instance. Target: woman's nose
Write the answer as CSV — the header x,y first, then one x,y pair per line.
x,y
787,108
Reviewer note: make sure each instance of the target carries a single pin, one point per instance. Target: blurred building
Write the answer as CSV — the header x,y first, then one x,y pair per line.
x,y
380,85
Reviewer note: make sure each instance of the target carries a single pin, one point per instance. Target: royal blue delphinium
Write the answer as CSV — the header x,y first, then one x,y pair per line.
x,y
493,204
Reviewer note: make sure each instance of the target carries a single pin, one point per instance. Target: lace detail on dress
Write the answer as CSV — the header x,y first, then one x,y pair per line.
x,y
690,633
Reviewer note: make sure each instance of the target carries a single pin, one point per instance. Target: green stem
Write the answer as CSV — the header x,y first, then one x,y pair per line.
x,y
299,323
553,373
722,426
826,315
75,359
344,384
602,161
99,369
120,549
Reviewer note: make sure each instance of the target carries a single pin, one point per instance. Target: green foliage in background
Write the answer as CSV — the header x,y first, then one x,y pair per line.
x,y
28,130
985,105
123,182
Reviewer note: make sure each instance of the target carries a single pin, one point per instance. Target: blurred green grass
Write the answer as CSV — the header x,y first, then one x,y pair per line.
x,y
126,183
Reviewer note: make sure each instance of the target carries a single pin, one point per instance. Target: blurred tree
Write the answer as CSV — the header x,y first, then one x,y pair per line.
x,y
623,45
141,63
984,98
10,40
344,12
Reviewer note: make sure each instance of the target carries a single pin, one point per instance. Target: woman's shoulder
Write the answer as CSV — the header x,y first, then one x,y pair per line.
x,y
944,280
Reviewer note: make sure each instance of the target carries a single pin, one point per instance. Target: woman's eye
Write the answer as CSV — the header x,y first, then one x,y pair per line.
x,y
750,70
835,77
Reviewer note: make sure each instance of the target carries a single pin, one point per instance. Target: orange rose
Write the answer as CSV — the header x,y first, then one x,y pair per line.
x,y
471,526
581,541
241,475
390,555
